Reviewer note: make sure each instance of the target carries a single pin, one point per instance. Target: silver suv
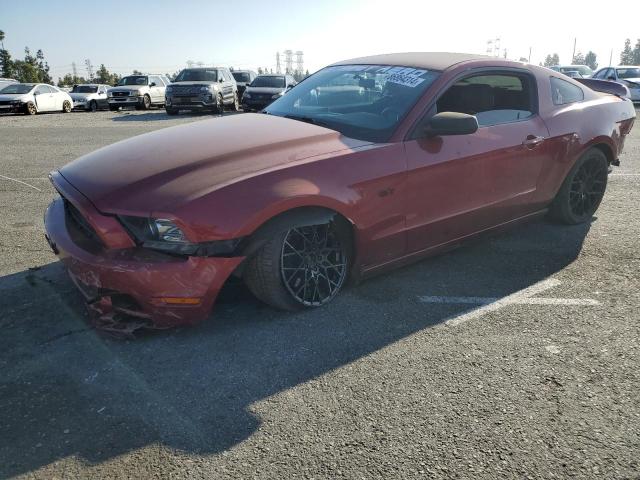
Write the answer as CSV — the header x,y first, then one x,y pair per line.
x,y
140,91
205,88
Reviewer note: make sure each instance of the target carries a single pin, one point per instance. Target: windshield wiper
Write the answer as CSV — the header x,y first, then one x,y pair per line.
x,y
311,120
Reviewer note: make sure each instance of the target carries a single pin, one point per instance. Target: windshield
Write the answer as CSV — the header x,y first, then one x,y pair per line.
x,y
628,72
269,82
17,88
84,89
582,69
241,76
134,80
197,76
361,101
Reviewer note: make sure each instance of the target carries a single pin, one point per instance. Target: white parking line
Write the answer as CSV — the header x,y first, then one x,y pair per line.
x,y
624,174
521,297
21,182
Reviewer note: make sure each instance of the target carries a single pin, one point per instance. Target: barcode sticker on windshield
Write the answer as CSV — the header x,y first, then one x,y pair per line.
x,y
409,77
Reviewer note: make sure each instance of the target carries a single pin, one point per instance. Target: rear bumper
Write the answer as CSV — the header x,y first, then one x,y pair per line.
x,y
135,281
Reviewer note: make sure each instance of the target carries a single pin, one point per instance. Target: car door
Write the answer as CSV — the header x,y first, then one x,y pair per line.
x,y
44,98
102,99
460,185
157,91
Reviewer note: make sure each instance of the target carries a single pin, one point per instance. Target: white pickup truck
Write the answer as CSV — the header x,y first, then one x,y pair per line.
x,y
139,91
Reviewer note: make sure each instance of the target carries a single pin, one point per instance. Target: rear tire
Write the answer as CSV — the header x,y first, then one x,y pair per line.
x,y
66,106
303,267
582,190
113,108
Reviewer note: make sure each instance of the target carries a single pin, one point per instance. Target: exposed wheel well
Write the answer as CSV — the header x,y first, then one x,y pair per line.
x,y
296,217
606,149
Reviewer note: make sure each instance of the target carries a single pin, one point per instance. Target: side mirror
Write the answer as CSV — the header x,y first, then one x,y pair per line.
x,y
152,84
221,80
611,77
36,93
451,123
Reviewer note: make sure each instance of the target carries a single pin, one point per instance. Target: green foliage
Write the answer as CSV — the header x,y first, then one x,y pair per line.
x,y
636,53
69,80
626,57
552,60
33,69
590,59
578,59
7,68
104,76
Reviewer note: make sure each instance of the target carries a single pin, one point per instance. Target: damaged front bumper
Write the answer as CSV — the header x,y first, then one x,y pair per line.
x,y
160,289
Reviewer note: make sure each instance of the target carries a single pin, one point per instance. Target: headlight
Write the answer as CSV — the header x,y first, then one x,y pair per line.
x,y
164,235
277,95
169,89
206,88
109,94
135,93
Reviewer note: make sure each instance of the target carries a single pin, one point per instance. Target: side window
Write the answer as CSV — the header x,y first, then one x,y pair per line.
x,y
155,79
600,73
563,92
492,98
42,89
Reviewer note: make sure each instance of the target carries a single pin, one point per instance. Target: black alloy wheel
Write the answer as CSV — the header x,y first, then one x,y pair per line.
x,y
313,264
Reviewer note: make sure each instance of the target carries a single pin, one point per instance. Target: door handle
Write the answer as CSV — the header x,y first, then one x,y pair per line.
x,y
532,141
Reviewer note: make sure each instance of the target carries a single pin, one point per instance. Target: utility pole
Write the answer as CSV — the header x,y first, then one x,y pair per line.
x,y
611,57
74,69
278,68
189,63
288,61
87,63
574,49
299,63
529,61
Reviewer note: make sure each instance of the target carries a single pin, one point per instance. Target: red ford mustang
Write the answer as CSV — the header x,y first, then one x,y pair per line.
x,y
368,164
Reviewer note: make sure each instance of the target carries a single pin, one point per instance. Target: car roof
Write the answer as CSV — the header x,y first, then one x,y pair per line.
x,y
428,60
273,74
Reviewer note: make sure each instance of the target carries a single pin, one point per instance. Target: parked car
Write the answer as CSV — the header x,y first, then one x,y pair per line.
x,y
264,89
6,81
205,88
584,70
32,98
243,78
627,75
90,97
139,91
440,148
573,74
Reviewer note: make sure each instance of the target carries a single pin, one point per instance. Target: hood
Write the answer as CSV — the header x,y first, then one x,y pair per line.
x,y
164,169
81,96
192,84
128,88
13,96
269,90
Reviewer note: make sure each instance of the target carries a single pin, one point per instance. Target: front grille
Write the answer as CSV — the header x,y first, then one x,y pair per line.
x,y
121,94
185,90
80,223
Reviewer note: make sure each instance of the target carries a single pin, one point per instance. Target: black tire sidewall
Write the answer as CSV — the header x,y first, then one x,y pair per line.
x,y
561,208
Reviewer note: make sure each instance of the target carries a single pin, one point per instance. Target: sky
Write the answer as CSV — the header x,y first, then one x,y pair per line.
x,y
160,36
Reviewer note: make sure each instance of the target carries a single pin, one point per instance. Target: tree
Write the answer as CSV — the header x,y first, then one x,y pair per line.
x,y
2,39
260,72
578,59
636,53
626,57
104,76
7,67
43,68
69,80
552,60
590,60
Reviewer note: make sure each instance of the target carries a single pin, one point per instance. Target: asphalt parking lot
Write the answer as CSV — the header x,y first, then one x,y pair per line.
x,y
537,378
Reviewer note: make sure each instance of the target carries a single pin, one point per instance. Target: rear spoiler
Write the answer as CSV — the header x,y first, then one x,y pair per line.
x,y
605,86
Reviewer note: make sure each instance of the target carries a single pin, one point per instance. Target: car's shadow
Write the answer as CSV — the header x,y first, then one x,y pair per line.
x,y
160,115
67,391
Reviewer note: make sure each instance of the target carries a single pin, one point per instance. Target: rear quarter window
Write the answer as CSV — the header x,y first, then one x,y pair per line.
x,y
563,92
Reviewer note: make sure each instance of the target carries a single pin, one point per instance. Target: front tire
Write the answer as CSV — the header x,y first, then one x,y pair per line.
x,y
219,108
30,109
114,108
582,190
146,103
66,106
171,111
303,267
